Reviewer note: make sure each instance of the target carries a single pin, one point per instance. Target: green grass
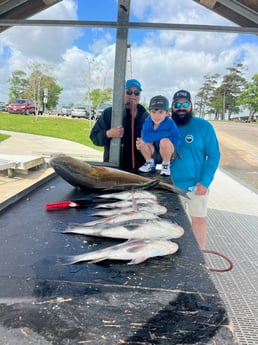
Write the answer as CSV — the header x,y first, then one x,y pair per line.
x,y
77,130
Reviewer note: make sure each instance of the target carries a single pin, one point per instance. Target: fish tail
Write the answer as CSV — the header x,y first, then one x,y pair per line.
x,y
70,259
174,189
71,228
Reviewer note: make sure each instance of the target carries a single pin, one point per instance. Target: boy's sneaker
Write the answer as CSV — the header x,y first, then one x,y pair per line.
x,y
165,169
148,167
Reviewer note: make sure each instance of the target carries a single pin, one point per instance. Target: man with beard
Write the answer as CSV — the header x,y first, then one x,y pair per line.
x,y
194,168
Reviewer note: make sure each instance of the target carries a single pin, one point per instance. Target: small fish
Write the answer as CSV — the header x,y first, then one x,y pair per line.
x,y
154,228
134,251
124,203
123,218
130,195
155,209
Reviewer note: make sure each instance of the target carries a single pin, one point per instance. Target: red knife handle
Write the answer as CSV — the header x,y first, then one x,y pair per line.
x,y
61,204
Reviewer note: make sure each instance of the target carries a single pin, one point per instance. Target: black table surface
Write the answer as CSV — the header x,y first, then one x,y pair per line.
x,y
164,300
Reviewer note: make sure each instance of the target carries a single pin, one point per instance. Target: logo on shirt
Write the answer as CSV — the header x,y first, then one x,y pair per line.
x,y
189,138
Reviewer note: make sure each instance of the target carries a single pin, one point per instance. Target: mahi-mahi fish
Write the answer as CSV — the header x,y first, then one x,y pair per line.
x,y
83,175
154,228
134,251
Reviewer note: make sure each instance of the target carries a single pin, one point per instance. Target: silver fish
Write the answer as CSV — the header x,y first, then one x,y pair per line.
x,y
122,218
134,251
155,209
125,203
154,228
130,195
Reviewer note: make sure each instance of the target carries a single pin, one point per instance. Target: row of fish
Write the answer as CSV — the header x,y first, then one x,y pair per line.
x,y
134,217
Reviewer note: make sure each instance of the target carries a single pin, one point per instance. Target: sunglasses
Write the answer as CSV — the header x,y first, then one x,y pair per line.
x,y
130,92
178,105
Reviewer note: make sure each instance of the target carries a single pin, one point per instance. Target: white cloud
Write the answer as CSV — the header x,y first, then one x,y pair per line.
x,y
101,43
162,60
174,11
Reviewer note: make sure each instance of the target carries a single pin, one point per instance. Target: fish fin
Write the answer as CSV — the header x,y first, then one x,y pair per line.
x,y
67,260
99,260
137,260
70,228
132,186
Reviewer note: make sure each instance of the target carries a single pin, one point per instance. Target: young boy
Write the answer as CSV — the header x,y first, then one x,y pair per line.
x,y
159,138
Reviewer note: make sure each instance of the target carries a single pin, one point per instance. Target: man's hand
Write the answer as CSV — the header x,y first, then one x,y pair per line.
x,y
115,132
201,190
139,143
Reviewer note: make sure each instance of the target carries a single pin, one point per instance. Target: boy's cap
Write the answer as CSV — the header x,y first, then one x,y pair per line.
x,y
133,83
182,94
159,102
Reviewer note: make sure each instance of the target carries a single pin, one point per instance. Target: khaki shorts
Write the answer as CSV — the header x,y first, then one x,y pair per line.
x,y
197,206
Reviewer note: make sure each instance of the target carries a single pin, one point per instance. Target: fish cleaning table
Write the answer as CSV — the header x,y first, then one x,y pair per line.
x,y
164,300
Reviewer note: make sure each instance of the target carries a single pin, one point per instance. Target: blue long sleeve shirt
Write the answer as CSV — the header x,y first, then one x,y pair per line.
x,y
199,152
166,129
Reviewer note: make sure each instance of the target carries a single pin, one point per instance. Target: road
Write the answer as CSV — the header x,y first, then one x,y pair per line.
x,y
239,149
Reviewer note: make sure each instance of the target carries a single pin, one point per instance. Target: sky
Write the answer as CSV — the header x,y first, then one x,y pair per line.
x,y
82,59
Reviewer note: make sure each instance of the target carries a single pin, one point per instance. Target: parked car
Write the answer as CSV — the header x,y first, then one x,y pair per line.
x,y
65,111
3,106
80,112
101,108
22,106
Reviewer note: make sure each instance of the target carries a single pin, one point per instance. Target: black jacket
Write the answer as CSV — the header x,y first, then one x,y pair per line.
x,y
98,136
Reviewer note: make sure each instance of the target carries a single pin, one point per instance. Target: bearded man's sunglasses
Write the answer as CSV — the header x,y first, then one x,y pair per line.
x,y
130,92
178,105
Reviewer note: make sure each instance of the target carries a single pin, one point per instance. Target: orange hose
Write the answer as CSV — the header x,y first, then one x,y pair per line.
x,y
229,268
133,112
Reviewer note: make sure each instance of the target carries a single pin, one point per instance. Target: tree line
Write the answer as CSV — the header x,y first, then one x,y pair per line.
x,y
227,95
218,96
38,86
44,90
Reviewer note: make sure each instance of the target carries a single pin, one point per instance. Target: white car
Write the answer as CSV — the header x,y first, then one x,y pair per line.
x,y
80,112
65,111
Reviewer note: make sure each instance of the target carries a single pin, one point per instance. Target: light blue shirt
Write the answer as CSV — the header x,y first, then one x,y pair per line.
x,y
199,152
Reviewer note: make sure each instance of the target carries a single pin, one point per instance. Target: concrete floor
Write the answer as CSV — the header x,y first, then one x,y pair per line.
x,y
233,231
